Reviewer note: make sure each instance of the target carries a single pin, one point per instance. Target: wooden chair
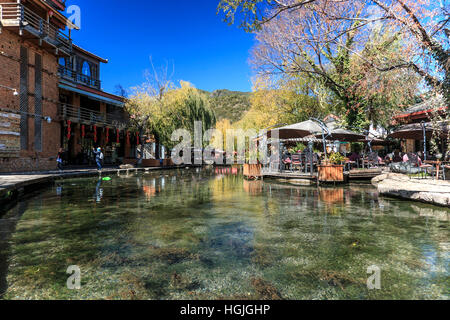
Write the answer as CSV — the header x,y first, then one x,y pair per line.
x,y
373,159
296,160
310,159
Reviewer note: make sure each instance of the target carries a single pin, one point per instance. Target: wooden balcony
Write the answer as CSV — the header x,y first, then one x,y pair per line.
x,y
90,117
69,74
57,4
17,16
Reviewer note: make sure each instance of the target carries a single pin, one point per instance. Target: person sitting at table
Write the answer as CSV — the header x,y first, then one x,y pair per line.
x,y
287,159
388,159
354,157
405,158
397,158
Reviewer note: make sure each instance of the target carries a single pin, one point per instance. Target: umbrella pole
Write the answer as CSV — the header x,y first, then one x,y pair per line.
x,y
424,141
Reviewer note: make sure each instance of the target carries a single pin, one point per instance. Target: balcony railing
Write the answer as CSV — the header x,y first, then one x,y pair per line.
x,y
70,74
90,117
58,4
16,15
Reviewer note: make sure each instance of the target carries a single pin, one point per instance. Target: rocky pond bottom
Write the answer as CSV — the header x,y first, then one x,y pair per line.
x,y
209,234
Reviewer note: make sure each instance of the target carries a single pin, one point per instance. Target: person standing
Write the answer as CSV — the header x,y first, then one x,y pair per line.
x,y
59,159
99,158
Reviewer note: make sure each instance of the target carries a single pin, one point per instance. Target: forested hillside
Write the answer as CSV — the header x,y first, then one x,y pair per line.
x,y
231,105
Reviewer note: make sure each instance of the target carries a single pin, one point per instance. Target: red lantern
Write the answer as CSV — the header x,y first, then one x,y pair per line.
x,y
69,129
107,135
118,137
95,133
83,132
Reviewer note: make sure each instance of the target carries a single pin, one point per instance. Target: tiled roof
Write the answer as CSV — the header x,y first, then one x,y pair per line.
x,y
436,102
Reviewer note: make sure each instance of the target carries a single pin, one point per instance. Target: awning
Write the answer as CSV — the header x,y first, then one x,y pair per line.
x,y
92,95
343,135
414,131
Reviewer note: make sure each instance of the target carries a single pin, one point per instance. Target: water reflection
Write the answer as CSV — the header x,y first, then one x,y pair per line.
x,y
98,191
210,234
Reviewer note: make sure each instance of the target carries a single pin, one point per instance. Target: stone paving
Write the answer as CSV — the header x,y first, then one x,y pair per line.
x,y
425,190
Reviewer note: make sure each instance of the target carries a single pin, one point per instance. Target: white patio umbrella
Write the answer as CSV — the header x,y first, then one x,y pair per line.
x,y
298,130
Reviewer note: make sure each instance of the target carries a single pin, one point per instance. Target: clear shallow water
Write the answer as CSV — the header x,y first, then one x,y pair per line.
x,y
204,234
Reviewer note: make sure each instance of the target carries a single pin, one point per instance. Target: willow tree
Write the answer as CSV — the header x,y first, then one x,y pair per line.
x,y
183,107
145,111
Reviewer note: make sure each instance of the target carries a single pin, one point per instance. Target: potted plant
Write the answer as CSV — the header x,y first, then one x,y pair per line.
x,y
252,170
300,147
333,169
337,159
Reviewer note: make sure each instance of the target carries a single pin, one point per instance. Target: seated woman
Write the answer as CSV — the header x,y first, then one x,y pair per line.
x,y
405,158
287,160
397,158
355,156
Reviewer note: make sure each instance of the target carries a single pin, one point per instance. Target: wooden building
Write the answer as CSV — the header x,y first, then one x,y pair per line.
x,y
50,92
418,115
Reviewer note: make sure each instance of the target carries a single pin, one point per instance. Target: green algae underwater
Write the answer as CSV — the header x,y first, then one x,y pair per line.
x,y
210,234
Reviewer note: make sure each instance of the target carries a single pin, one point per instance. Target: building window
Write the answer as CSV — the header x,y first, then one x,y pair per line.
x,y
62,61
86,70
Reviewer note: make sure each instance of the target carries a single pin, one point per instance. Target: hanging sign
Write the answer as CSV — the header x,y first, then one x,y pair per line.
x,y
107,135
95,133
137,138
69,130
118,136
83,131
128,137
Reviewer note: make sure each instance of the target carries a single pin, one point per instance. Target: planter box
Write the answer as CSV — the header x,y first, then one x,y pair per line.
x,y
150,163
252,170
331,173
168,163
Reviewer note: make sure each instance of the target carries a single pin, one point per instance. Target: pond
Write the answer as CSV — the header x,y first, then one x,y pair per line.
x,y
210,234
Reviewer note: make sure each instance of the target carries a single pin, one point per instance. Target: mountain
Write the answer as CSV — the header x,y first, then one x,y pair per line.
x,y
231,105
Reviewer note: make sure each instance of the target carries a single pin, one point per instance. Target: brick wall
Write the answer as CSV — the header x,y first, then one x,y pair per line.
x,y
29,158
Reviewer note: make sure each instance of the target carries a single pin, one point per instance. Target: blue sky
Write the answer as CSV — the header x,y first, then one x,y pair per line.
x,y
204,50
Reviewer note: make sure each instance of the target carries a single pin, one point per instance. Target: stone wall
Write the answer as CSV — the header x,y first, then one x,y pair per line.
x,y
9,135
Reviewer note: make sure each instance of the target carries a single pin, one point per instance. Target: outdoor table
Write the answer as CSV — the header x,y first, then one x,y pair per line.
x,y
434,163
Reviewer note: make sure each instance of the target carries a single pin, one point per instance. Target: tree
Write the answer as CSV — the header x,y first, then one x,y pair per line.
x,y
145,106
257,12
162,110
145,111
222,126
182,108
310,42
422,25
286,101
